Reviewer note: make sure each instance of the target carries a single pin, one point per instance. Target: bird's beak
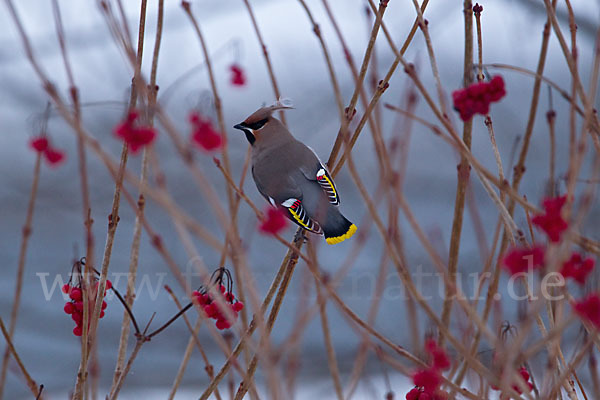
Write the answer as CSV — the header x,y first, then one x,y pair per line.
x,y
240,127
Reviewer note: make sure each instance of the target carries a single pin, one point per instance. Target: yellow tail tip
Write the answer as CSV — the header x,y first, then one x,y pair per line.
x,y
340,239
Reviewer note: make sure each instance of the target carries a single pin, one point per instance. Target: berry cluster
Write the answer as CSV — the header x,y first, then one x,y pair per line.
x,y
577,268
42,145
203,133
238,77
521,259
552,222
418,393
74,307
134,135
525,375
476,99
212,310
428,380
588,309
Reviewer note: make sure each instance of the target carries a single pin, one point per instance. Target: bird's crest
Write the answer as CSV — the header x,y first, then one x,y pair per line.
x,y
266,111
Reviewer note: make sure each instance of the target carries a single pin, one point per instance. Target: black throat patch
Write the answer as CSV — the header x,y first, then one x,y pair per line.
x,y
250,136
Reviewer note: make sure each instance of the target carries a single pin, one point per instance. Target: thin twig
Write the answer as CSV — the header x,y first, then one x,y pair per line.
x,y
361,77
137,230
332,362
463,170
332,76
265,52
290,265
184,362
31,384
519,170
117,388
208,367
25,235
238,349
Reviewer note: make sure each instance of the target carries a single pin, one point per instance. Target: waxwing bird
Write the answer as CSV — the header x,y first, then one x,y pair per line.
x,y
291,176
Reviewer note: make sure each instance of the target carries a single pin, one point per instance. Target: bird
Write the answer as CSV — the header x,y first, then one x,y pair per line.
x,y
290,176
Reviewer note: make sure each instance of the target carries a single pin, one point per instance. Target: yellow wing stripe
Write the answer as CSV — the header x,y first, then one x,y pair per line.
x,y
339,239
331,185
297,218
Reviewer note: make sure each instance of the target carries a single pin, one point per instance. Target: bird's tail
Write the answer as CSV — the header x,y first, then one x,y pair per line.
x,y
338,229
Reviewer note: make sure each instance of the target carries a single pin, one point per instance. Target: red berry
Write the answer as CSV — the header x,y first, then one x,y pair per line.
x,y
229,297
53,156
238,77
222,324
69,308
238,306
413,394
75,294
39,143
211,310
218,314
205,299
104,305
101,314
77,331
222,288
132,134
108,284
429,379
203,133
77,317
274,222
66,288
79,305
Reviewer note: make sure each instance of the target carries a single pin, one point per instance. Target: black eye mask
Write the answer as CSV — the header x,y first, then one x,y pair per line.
x,y
248,128
256,125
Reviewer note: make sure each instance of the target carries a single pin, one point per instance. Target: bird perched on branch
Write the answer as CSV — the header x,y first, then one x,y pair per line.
x,y
290,176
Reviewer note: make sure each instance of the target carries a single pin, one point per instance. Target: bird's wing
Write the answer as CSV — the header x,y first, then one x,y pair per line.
x,y
297,214
283,185
314,170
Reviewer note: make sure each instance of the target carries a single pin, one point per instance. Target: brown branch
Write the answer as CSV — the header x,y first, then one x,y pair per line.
x,y
184,362
208,367
265,52
31,384
88,334
361,356
237,350
290,265
463,171
232,235
519,170
25,235
361,77
217,99
117,388
331,360
380,89
334,83
137,230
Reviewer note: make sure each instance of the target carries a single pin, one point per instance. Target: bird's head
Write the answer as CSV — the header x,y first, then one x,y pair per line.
x,y
255,126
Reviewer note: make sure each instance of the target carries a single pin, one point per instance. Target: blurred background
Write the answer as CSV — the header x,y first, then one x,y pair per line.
x,y
512,32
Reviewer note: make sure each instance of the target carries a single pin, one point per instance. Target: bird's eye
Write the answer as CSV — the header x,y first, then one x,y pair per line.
x,y
258,124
